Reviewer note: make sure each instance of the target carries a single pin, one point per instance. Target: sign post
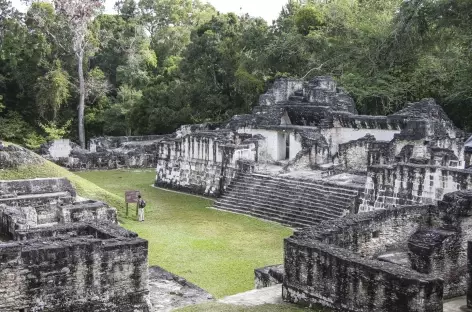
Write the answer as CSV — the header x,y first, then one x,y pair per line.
x,y
131,197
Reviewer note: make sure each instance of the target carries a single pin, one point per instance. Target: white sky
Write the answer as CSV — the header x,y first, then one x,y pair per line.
x,y
267,9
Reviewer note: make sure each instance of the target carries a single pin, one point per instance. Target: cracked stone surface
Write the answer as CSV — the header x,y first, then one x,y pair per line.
x,y
268,295
168,291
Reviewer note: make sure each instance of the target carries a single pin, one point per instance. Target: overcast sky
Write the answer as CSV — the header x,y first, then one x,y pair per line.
x,y
267,9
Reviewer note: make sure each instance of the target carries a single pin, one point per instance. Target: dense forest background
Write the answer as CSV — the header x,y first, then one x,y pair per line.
x,y
158,64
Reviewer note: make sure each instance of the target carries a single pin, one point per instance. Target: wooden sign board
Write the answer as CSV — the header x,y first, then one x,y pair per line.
x,y
131,197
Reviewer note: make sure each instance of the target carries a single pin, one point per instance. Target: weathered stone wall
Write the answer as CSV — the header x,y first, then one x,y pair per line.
x,y
371,234
280,91
407,184
334,263
318,273
106,143
269,276
105,153
436,252
337,136
53,261
75,272
354,155
329,264
88,211
142,157
14,188
204,163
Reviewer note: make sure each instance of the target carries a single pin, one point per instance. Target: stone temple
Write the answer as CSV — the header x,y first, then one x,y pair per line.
x,y
382,204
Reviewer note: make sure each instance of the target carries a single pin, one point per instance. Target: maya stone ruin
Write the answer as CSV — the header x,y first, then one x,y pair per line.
x,y
382,204
60,254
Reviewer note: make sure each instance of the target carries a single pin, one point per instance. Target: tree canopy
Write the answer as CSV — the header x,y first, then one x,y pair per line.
x,y
158,64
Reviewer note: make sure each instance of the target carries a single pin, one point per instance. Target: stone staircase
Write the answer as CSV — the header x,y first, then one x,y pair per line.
x,y
289,201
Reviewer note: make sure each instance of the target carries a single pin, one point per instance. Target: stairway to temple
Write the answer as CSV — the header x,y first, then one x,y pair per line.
x,y
289,201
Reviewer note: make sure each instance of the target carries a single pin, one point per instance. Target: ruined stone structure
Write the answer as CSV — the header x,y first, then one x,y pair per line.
x,y
400,259
59,254
304,155
104,153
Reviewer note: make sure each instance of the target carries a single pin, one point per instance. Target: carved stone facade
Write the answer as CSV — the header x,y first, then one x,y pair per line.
x,y
57,254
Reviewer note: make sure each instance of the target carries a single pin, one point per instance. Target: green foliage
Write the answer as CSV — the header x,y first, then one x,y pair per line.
x,y
52,90
158,64
308,18
14,128
117,118
55,132
34,141
51,132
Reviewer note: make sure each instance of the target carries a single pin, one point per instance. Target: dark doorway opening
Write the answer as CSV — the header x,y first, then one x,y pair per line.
x,y
287,146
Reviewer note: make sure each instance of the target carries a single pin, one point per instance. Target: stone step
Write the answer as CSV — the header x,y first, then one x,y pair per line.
x,y
313,185
301,194
294,200
291,181
318,208
274,217
287,200
263,212
314,214
291,190
270,216
328,206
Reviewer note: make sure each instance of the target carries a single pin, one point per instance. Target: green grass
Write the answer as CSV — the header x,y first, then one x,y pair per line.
x,y
219,307
216,250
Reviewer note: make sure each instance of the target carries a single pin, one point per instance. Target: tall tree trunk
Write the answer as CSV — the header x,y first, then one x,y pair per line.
x,y
80,59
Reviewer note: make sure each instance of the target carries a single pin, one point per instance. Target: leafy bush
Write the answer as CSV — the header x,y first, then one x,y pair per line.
x,y
54,132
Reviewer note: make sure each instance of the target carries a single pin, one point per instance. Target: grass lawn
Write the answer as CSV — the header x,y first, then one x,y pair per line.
x,y
216,250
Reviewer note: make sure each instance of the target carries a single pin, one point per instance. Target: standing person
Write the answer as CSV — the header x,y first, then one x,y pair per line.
x,y
1,146
141,205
